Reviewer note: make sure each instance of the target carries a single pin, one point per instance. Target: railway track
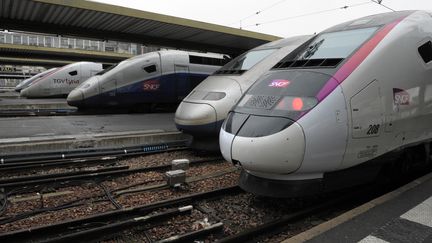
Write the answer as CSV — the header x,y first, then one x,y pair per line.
x,y
76,112
102,226
109,225
39,112
224,214
60,183
88,155
99,174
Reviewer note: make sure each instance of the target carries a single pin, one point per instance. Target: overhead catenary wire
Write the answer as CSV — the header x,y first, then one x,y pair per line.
x,y
257,13
312,13
379,2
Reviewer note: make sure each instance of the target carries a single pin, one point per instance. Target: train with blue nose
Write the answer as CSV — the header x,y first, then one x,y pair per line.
x,y
152,78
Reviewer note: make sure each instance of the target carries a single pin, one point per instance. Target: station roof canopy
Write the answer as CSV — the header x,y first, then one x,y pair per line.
x,y
108,22
49,56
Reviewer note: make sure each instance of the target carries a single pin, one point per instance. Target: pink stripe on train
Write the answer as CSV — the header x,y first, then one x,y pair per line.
x,y
355,60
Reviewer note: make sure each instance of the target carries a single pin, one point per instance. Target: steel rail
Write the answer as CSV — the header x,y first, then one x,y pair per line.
x,y
43,233
26,181
54,156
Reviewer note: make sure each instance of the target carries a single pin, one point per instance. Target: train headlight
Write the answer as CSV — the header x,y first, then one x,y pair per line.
x,y
214,96
85,86
284,103
290,103
202,95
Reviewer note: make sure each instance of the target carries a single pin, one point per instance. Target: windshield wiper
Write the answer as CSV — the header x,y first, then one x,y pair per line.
x,y
312,49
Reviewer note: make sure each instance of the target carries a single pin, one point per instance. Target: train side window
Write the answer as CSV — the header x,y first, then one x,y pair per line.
x,y
73,73
425,51
150,69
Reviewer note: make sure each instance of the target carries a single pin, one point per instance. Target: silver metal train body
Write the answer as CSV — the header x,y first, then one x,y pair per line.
x,y
27,82
61,81
155,77
203,111
328,114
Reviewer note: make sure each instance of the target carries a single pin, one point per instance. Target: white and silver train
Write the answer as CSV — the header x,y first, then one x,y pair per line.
x,y
61,81
333,111
148,79
27,82
203,111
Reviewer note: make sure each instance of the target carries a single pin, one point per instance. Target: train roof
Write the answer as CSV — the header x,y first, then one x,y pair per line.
x,y
79,63
370,21
282,42
170,52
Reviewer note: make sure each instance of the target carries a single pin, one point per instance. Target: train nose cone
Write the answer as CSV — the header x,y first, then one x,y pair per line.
x,y
24,92
262,147
75,97
279,153
196,119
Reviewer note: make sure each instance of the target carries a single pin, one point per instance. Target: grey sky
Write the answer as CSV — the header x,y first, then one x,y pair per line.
x,y
230,12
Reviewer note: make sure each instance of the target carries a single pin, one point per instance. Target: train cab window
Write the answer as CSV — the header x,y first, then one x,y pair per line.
x,y
245,61
150,69
73,73
208,60
336,44
425,51
327,49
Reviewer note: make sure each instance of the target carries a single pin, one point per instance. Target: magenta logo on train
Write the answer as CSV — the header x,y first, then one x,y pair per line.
x,y
400,97
279,83
151,85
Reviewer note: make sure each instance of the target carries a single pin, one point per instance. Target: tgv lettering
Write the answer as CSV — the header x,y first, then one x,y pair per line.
x,y
65,81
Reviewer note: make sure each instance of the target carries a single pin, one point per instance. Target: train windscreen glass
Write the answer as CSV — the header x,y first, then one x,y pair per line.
x,y
247,60
336,44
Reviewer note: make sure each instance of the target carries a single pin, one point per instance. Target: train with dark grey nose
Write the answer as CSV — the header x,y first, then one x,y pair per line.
x,y
337,110
202,112
60,81
148,79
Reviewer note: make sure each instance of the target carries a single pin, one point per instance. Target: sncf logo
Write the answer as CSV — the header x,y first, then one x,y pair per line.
x,y
400,97
279,83
151,85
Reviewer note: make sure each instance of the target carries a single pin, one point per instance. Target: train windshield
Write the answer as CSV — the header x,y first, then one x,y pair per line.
x,y
336,44
107,69
42,74
247,60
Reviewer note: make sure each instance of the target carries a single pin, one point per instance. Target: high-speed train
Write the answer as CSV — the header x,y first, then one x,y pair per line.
x,y
155,77
202,112
61,81
27,82
334,110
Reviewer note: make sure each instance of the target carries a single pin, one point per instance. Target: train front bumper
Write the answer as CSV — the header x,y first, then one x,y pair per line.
x,y
197,119
278,153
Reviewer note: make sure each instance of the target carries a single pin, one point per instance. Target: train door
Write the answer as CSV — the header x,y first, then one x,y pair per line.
x,y
182,86
366,110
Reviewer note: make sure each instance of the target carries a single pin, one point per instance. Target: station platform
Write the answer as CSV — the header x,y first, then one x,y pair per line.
x,y
17,103
54,133
403,215
8,93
